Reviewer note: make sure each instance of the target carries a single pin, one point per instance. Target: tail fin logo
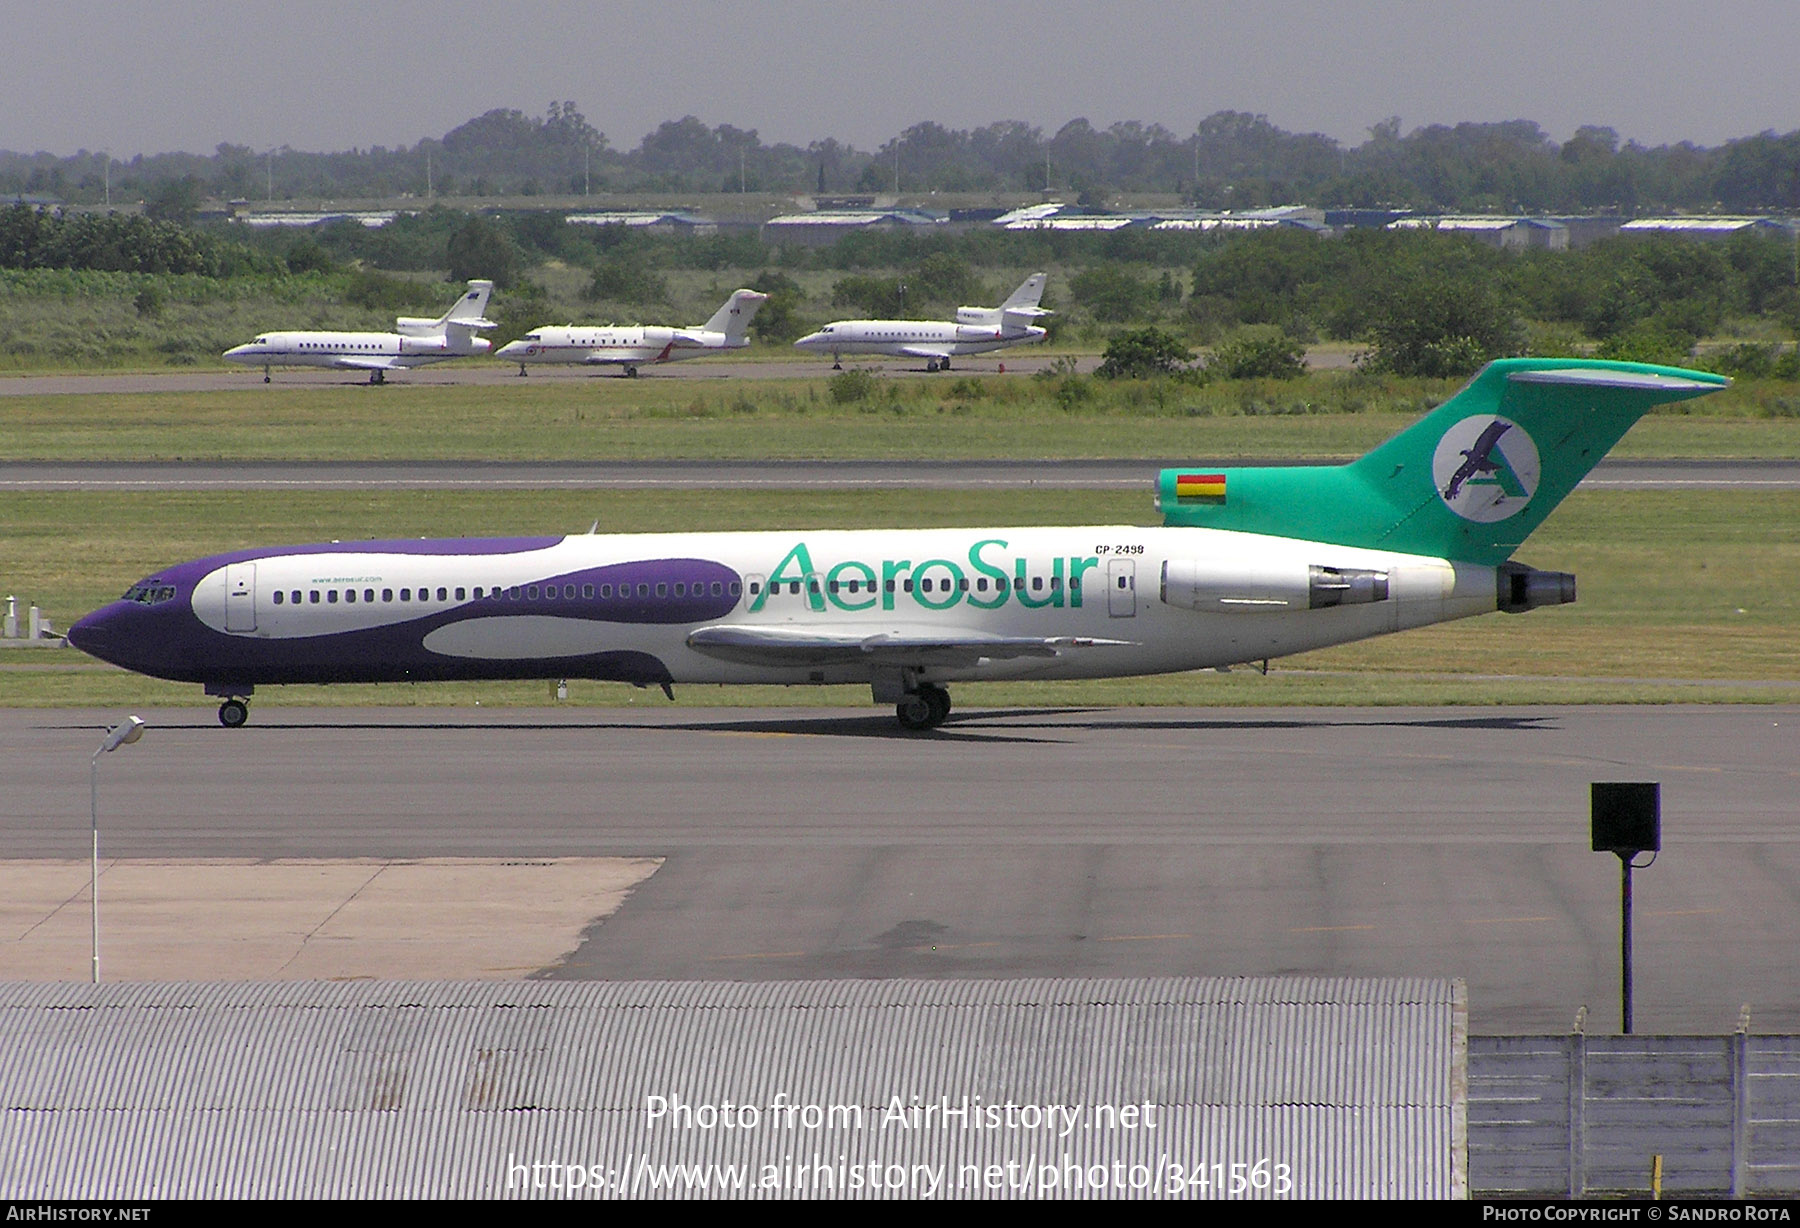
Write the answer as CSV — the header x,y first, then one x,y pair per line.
x,y
1486,468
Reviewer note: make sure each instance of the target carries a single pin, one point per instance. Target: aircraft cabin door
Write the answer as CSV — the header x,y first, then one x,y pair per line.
x,y
1121,588
240,597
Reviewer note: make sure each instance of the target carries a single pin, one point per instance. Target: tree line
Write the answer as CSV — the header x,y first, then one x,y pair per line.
x,y
1231,159
1427,302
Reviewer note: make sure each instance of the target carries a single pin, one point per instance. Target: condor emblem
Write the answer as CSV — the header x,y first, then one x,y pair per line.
x,y
1486,468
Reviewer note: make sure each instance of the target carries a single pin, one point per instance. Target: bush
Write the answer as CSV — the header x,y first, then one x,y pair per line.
x,y
1442,329
1138,353
777,320
479,249
1746,361
1259,352
620,279
1648,342
1113,294
849,387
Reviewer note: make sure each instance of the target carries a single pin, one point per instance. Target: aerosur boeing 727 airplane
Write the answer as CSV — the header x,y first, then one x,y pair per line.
x,y
638,345
1248,564
415,342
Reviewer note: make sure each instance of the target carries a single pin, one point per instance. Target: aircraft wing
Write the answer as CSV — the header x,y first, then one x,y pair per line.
x,y
600,358
380,363
925,351
792,645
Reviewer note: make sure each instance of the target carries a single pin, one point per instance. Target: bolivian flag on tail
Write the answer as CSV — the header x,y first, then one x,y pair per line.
x,y
1198,488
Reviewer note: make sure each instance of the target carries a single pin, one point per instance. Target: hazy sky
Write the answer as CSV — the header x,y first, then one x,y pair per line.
x,y
335,74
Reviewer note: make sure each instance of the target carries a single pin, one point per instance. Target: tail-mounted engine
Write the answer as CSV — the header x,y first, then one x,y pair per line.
x,y
1252,588
1522,588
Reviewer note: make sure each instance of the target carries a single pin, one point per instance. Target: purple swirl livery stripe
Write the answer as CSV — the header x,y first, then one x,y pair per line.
x,y
168,641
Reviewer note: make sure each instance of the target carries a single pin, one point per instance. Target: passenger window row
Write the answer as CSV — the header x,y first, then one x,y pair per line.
x,y
926,585
516,592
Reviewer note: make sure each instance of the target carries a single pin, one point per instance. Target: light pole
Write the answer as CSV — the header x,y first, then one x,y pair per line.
x,y
124,733
1627,820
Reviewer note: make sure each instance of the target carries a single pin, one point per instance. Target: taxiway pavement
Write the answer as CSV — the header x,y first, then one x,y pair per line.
x,y
1023,842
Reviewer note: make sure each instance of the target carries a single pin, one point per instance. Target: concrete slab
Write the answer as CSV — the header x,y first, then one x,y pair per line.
x,y
239,919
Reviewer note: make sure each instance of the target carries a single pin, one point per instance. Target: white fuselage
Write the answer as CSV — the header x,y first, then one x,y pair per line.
x,y
1101,596
352,351
916,338
615,345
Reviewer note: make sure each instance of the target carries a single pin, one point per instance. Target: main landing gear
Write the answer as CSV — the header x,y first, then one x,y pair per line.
x,y
926,708
937,364
378,377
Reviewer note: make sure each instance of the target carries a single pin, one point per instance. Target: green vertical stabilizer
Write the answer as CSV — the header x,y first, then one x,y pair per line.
x,y
1469,481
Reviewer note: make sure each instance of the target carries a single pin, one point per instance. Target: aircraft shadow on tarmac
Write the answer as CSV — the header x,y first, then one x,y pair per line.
x,y
1001,725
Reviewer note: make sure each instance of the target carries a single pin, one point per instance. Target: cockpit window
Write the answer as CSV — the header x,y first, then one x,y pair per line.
x,y
149,593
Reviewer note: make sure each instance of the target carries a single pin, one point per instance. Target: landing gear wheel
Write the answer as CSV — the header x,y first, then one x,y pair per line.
x,y
913,712
630,372
925,708
931,365
938,700
943,364
233,713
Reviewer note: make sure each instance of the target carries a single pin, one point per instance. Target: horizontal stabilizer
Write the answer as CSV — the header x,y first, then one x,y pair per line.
x,y
1635,381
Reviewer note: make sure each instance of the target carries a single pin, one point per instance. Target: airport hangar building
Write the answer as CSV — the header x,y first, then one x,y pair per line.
x,y
1224,1087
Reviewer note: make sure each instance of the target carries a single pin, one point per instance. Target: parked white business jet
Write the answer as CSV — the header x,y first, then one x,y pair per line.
x,y
976,330
634,346
414,342
1248,563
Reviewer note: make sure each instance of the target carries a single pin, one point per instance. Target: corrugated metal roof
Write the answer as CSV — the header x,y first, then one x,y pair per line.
x,y
629,217
1470,223
434,1089
1701,224
855,218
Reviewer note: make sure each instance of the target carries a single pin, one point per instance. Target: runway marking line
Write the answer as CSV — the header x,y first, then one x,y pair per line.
x,y
1684,912
1144,937
1507,920
1327,929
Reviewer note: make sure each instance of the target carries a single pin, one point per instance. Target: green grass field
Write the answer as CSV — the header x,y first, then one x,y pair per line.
x,y
952,417
1685,596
